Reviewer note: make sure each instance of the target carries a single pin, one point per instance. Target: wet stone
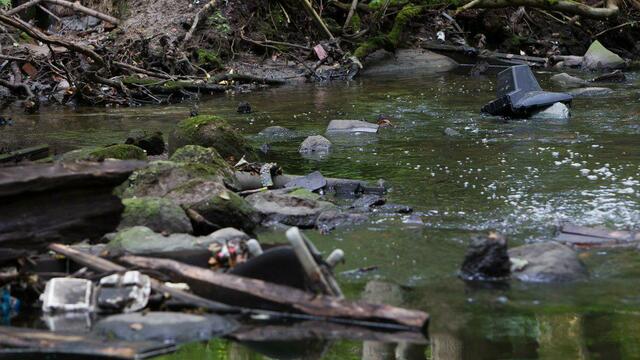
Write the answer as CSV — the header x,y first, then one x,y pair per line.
x,y
486,259
598,57
295,207
315,144
165,327
331,219
312,182
547,262
276,132
566,80
452,132
151,142
591,92
158,214
352,126
368,201
244,108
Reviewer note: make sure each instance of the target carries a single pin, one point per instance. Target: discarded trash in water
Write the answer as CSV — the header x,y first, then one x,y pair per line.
x,y
520,95
128,292
9,305
68,295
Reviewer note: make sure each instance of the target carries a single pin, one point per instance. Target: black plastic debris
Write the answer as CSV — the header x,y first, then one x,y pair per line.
x,y
520,95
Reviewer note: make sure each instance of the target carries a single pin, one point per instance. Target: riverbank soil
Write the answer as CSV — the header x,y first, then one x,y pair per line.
x,y
158,51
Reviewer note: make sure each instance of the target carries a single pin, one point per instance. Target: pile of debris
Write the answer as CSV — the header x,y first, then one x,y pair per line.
x,y
112,248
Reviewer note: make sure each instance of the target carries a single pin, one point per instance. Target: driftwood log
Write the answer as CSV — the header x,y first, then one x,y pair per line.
x,y
205,283
587,237
44,203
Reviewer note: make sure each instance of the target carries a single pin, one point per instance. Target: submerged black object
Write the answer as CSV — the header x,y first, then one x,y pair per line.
x,y
520,95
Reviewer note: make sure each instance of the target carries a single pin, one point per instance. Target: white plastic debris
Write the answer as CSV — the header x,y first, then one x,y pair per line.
x,y
557,111
67,295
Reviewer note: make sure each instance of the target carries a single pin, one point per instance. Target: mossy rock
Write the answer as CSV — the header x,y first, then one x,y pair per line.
x,y
158,214
217,204
162,176
200,155
200,187
119,152
151,142
295,207
210,131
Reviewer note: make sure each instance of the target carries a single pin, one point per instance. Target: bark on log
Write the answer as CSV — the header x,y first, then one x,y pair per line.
x,y
297,300
62,202
565,6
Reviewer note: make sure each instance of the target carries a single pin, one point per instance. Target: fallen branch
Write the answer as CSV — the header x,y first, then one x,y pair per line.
x,y
24,6
565,6
38,35
352,9
309,8
196,19
85,10
298,300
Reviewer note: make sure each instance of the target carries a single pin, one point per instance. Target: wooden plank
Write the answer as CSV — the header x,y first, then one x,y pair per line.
x,y
30,153
582,236
15,340
297,300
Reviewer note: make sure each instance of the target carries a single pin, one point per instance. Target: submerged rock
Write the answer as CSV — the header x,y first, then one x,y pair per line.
x,y
452,132
486,259
598,57
352,126
591,92
331,219
566,80
151,142
164,327
312,182
244,108
406,62
315,144
118,152
276,132
158,214
547,262
557,111
210,131
140,240
295,207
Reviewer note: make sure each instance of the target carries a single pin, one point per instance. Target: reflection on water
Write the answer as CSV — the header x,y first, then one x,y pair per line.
x,y
519,177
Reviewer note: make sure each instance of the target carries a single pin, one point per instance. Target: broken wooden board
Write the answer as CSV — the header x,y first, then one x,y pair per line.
x,y
470,55
30,153
212,285
42,203
585,237
14,341
306,330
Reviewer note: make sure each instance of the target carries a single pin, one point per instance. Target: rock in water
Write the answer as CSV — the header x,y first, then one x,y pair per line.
x,y
557,111
352,126
276,132
295,207
486,259
566,80
547,262
315,144
164,327
591,92
451,132
312,182
598,57
151,142
244,108
118,152
158,214
210,131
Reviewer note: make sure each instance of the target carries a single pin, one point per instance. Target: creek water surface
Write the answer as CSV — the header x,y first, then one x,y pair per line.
x,y
521,178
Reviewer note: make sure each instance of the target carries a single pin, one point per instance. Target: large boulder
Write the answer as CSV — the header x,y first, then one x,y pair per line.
x,y
163,327
159,214
197,187
295,207
99,153
210,131
598,57
546,262
140,240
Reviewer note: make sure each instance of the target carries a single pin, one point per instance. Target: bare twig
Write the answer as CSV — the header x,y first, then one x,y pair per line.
x,y
566,6
83,9
309,8
628,23
24,6
196,19
352,9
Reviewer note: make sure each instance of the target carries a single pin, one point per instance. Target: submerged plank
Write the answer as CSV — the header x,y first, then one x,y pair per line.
x,y
30,153
22,340
583,236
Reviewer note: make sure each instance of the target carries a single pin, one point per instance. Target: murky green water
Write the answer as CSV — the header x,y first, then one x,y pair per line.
x,y
521,178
